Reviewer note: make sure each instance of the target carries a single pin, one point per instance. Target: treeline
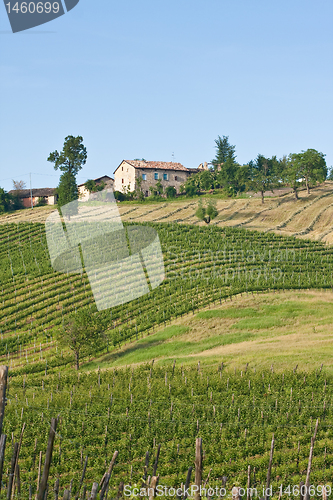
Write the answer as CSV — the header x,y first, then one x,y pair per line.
x,y
9,202
306,168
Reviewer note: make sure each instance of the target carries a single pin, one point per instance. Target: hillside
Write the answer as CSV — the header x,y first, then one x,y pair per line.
x,y
309,217
235,345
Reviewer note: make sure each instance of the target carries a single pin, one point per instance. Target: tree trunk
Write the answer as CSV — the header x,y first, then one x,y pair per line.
x,y
296,194
262,197
307,185
77,360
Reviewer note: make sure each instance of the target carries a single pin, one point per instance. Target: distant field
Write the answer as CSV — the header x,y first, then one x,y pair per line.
x,y
311,216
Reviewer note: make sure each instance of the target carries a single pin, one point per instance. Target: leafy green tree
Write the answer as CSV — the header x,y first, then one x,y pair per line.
x,y
224,152
82,334
72,156
67,191
190,190
211,210
70,161
206,180
262,174
206,213
6,201
92,187
314,168
170,192
292,173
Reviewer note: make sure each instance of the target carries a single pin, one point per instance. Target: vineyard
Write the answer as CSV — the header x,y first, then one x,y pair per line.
x,y
134,410
203,265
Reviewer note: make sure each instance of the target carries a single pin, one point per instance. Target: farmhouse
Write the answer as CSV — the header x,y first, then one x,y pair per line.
x,y
83,191
150,172
47,195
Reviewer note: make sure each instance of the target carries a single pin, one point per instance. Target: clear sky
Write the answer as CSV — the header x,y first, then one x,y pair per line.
x,y
161,80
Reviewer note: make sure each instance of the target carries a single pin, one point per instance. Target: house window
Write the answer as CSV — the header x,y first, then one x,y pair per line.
x,y
176,178
147,193
122,168
165,177
122,181
144,177
156,176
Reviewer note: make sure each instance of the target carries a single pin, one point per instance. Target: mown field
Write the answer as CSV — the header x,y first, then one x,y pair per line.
x,y
258,302
309,217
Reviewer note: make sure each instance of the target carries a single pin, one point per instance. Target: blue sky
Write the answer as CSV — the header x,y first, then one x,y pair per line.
x,y
151,78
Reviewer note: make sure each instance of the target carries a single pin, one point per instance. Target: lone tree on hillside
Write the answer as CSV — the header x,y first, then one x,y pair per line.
x,y
83,334
69,161
207,213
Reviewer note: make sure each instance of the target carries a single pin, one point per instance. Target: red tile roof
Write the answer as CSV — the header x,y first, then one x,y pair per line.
x,y
162,165
25,193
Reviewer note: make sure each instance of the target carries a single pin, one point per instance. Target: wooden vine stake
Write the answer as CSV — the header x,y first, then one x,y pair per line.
x,y
188,480
94,490
2,455
248,497
48,458
82,478
307,481
3,387
268,481
152,487
12,469
109,471
198,468
156,461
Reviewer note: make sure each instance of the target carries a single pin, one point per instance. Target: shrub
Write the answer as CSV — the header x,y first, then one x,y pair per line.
x,y
171,192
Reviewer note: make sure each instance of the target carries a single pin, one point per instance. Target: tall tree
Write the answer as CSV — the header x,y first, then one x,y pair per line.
x,y
224,151
314,168
262,174
292,173
70,161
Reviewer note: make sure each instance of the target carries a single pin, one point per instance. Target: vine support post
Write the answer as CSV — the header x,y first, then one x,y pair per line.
x,y
3,387
269,470
48,458
198,468
2,455
307,481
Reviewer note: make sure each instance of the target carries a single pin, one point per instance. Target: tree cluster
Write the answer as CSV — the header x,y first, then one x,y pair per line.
x,y
9,202
259,175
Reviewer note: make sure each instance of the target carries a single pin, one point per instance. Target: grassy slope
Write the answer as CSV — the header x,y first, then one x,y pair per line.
x,y
284,329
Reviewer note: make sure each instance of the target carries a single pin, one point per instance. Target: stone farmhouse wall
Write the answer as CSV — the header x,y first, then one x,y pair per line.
x,y
174,178
125,178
